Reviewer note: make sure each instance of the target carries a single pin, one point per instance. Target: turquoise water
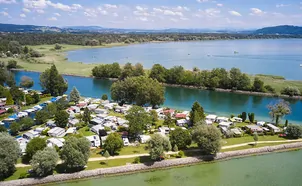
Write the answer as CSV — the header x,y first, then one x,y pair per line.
x,y
221,103
278,169
273,56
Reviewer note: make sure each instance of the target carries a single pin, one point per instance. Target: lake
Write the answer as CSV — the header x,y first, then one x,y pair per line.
x,y
266,56
220,103
274,169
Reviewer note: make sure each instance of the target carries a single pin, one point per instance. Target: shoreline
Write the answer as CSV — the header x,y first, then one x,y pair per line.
x,y
250,93
165,164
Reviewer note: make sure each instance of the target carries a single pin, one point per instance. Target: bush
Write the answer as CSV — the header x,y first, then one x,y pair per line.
x,y
10,111
291,91
136,160
23,175
180,154
11,64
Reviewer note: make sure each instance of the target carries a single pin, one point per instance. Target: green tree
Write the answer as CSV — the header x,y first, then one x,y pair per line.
x,y
3,76
269,89
286,123
2,128
175,148
41,117
113,143
18,95
10,80
138,70
28,99
36,97
74,95
127,71
26,123
197,113
207,138
279,110
86,116
139,90
181,138
75,152
11,64
52,82
255,136
57,47
44,162
106,155
14,47
61,118
25,50
26,82
158,72
154,116
51,109
294,131
9,154
138,120
251,117
174,75
243,116
32,147
157,145
9,99
169,121
14,128
104,97
258,85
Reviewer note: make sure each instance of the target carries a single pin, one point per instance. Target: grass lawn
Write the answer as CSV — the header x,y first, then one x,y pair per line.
x,y
41,101
108,163
83,131
94,153
112,113
17,173
246,139
252,146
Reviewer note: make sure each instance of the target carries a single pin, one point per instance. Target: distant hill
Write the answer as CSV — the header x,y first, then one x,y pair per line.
x,y
281,30
27,28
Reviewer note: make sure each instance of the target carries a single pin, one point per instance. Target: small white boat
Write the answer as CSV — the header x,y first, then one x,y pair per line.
x,y
300,65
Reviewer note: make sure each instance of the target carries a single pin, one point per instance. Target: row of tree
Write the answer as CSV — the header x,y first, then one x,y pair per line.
x,y
107,38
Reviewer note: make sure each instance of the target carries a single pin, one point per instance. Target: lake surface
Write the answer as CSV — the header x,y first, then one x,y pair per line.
x,y
271,170
272,56
220,103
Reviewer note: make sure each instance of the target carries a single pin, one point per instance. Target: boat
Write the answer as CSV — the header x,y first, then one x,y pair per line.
x,y
300,65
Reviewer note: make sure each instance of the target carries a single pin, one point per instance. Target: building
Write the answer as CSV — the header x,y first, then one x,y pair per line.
x,y
94,140
126,141
97,121
254,128
56,132
260,123
222,119
144,138
225,124
237,119
100,111
181,122
73,122
211,118
274,128
31,134
52,142
164,130
96,128
237,132
71,130
51,123
180,116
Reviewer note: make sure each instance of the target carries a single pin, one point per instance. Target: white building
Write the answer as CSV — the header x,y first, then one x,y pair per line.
x,y
211,118
97,121
92,106
260,123
52,142
71,130
31,134
144,138
96,128
101,111
225,124
222,119
56,132
181,122
273,127
94,140
126,141
164,130
237,119
73,122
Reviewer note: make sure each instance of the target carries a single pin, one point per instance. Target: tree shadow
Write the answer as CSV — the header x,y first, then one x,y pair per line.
x,y
146,160
61,168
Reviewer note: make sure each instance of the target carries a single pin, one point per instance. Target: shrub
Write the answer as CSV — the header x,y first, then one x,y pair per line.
x,y
136,160
23,175
291,91
180,154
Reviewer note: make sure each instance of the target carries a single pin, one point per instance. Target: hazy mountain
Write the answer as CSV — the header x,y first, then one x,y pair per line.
x,y
281,30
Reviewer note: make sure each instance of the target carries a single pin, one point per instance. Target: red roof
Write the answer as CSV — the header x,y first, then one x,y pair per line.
x,y
2,111
169,111
180,115
81,104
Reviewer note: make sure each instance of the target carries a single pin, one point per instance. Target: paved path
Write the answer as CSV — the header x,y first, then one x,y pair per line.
x,y
138,155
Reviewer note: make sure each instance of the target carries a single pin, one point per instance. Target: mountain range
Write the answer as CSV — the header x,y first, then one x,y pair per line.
x,y
277,30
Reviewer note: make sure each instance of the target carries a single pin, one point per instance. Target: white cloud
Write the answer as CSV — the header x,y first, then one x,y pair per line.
x,y
22,15
77,6
90,12
60,6
282,5
143,19
110,6
182,8
158,10
104,12
219,4
40,11
202,1
57,14
234,13
4,13
115,14
35,4
7,1
139,8
139,13
210,12
257,12
174,20
26,10
52,19
170,12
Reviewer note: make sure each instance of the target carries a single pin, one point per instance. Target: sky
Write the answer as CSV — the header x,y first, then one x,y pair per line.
x,y
153,14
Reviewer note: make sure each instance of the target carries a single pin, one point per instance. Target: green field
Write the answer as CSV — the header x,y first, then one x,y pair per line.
x,y
250,146
247,139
